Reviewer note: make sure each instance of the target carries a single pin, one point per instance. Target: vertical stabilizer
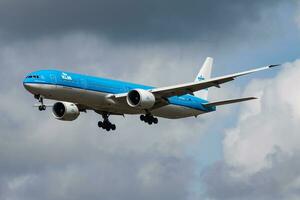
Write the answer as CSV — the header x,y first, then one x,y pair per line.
x,y
204,74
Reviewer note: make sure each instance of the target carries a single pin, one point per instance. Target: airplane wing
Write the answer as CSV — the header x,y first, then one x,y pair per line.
x,y
188,88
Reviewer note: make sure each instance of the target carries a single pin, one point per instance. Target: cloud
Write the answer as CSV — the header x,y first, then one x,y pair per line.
x,y
133,20
297,18
281,181
261,152
42,158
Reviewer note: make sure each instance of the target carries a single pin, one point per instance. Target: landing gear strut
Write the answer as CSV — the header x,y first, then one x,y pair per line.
x,y
149,119
41,100
106,124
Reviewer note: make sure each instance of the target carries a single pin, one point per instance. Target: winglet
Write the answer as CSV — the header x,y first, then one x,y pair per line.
x,y
274,65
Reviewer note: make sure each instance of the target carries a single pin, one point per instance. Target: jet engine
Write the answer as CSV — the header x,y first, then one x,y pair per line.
x,y
65,111
140,98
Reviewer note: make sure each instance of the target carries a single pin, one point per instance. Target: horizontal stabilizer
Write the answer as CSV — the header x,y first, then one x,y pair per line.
x,y
220,103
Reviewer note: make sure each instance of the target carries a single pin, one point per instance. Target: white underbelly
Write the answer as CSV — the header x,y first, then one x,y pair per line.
x,y
98,101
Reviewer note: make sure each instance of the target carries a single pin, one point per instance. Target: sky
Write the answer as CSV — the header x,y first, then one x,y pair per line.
x,y
243,151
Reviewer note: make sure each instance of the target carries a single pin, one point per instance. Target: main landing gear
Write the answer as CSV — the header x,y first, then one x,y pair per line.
x,y
41,100
106,124
149,119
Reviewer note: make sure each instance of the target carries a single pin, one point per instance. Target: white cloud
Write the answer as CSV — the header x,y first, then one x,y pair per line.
x,y
270,123
260,153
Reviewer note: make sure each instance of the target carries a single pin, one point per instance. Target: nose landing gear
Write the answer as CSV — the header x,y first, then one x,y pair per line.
x,y
41,107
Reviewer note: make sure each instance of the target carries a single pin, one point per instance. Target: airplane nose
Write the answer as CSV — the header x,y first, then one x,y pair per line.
x,y
27,86
33,88
30,87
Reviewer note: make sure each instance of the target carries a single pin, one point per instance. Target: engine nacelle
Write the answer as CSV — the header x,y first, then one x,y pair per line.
x,y
140,98
65,111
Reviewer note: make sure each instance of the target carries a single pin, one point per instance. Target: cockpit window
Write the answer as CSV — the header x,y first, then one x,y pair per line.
x,y
33,76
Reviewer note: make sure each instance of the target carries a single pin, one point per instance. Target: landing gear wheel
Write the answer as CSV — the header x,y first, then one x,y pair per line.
x,y
148,118
106,124
42,107
41,100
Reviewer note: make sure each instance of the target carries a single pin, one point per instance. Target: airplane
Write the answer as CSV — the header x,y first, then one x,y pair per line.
x,y
76,93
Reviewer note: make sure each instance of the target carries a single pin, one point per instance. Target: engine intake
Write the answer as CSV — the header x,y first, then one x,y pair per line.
x,y
65,111
140,98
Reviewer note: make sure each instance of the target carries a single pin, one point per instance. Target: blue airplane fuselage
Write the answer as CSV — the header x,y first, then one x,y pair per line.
x,y
67,83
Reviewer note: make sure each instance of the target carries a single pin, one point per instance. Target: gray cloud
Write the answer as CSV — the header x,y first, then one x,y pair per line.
x,y
42,158
133,20
281,181
45,158
261,154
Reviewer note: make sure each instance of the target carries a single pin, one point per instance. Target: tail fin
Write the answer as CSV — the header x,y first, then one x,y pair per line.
x,y
205,73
